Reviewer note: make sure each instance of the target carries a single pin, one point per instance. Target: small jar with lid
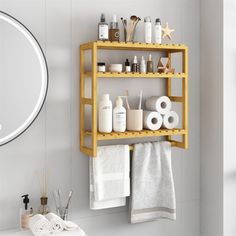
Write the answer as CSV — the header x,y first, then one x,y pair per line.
x,y
101,67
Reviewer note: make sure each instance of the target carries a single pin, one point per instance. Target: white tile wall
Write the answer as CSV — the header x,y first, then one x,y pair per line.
x,y
53,140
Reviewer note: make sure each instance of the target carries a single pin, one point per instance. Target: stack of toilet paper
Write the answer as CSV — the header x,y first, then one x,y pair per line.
x,y
159,114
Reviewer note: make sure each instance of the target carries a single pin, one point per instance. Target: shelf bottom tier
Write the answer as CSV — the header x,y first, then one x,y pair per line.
x,y
137,134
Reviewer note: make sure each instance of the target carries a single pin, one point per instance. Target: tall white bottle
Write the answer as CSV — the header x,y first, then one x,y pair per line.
x,y
158,31
105,114
119,116
148,29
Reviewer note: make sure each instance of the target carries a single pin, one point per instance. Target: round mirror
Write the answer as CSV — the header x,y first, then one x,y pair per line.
x,y
23,78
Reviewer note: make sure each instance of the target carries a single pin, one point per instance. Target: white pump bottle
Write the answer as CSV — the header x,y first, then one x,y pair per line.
x,y
119,116
105,114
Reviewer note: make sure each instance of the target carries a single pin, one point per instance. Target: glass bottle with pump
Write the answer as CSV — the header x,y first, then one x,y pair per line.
x,y
25,213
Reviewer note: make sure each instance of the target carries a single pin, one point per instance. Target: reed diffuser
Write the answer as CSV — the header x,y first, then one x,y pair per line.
x,y
43,182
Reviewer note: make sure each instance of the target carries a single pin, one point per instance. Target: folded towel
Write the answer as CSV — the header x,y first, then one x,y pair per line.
x,y
153,194
109,177
39,225
57,224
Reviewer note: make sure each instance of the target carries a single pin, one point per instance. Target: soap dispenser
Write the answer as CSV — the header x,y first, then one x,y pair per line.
x,y
119,116
25,213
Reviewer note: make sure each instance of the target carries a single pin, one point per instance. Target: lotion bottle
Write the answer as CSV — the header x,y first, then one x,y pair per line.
x,y
158,31
148,29
119,116
25,213
102,29
105,114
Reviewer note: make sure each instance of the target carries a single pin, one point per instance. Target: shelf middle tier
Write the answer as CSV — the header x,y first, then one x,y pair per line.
x,y
136,75
137,134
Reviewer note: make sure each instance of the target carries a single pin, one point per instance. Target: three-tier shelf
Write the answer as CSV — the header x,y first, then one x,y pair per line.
x,y
168,50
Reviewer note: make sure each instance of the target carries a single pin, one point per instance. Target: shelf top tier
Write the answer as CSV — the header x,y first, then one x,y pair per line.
x,y
134,46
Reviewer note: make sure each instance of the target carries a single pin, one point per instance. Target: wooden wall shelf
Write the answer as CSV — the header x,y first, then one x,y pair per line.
x,y
94,135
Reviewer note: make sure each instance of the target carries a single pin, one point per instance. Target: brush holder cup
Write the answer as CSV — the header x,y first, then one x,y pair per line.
x,y
62,212
130,27
134,120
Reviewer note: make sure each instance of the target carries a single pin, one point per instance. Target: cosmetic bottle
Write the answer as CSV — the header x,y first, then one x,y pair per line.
x,y
119,116
44,209
158,31
148,29
114,32
101,67
25,213
135,65
143,67
102,29
127,66
105,114
150,64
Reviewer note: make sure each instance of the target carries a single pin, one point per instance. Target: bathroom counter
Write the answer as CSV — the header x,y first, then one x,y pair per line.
x,y
16,232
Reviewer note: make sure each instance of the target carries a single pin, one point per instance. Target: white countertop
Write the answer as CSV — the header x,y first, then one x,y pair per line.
x,y
17,232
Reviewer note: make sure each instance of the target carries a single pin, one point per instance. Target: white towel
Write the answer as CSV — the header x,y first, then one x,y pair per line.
x,y
57,224
39,225
109,177
153,194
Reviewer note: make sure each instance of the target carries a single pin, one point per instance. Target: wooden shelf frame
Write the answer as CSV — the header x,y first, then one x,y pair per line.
x,y
95,136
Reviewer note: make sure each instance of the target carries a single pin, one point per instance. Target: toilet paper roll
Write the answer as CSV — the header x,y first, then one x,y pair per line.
x,y
170,120
152,120
160,104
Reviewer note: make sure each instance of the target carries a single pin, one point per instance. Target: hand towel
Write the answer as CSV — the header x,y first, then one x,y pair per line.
x,y
39,225
109,177
56,223
153,193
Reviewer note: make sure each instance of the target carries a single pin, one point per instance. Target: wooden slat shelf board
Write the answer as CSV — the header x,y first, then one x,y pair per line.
x,y
139,46
136,75
137,134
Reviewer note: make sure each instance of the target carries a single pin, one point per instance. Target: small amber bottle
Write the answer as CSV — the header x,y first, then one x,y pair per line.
x,y
150,64
114,32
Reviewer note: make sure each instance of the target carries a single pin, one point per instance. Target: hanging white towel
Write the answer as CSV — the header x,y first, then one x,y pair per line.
x,y
109,177
153,194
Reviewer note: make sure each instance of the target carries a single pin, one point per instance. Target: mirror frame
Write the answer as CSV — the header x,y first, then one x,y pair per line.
x,y
45,77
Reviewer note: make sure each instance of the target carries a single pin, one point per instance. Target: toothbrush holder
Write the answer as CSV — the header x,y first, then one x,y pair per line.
x,y
134,119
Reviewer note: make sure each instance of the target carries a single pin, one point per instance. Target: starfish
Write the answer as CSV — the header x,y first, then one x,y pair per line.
x,y
166,32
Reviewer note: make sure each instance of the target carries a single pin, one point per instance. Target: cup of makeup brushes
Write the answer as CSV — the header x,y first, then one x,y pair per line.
x,y
130,27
